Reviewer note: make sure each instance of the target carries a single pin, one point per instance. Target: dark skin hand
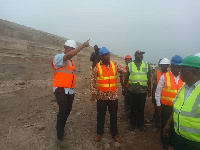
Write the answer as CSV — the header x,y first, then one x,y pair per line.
x,y
167,127
93,97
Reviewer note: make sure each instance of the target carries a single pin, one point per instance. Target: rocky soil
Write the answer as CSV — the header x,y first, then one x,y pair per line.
x,y
27,104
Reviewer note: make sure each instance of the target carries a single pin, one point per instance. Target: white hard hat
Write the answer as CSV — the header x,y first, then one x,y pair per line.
x,y
164,61
70,43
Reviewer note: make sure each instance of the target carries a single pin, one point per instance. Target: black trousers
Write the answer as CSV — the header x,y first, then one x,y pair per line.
x,y
166,112
182,143
137,104
126,105
65,102
156,115
102,106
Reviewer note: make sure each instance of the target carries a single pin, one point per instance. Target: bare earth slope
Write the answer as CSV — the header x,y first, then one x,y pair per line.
x,y
27,105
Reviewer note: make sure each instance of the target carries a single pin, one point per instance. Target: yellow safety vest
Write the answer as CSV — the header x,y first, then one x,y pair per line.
x,y
138,76
187,114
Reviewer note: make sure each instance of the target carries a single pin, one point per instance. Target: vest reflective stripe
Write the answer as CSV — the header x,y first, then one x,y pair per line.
x,y
112,77
170,90
106,79
106,85
187,114
65,76
158,75
138,76
137,73
72,71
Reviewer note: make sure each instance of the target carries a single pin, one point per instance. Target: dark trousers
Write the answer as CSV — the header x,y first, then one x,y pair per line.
x,y
65,102
156,115
101,112
166,112
126,105
137,104
182,143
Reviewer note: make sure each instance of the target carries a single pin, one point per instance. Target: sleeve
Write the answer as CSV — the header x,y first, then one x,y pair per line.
x,y
120,69
93,80
92,56
58,61
149,72
160,85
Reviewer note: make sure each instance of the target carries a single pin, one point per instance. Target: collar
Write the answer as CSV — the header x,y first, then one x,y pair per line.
x,y
195,85
101,63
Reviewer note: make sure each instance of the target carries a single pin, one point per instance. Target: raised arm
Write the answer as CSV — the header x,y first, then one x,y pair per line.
x,y
72,53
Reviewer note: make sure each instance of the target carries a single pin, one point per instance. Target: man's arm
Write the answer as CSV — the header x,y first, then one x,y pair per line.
x,y
160,85
72,53
154,80
93,81
92,56
149,81
153,91
121,79
126,77
120,69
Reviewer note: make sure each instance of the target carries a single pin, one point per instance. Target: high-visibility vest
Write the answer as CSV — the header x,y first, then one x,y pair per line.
x,y
170,90
158,75
187,114
106,79
64,76
138,76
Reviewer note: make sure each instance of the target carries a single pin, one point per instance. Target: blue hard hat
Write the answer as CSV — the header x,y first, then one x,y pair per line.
x,y
103,51
176,60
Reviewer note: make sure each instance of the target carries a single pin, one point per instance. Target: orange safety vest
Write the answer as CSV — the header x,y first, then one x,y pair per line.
x,y
158,75
170,90
106,79
64,76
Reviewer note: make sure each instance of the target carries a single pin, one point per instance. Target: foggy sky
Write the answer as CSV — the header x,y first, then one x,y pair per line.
x,y
161,28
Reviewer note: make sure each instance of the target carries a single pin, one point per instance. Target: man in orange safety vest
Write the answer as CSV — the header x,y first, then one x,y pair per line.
x,y
63,84
166,91
104,76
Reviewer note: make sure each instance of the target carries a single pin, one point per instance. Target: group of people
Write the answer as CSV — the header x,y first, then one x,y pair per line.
x,y
175,94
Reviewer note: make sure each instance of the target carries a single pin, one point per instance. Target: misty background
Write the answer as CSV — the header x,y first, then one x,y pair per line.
x,y
161,28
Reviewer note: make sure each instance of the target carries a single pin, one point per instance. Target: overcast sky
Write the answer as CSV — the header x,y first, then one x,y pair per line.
x,y
161,28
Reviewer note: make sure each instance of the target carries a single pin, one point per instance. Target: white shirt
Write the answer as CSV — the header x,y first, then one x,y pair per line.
x,y
160,86
58,63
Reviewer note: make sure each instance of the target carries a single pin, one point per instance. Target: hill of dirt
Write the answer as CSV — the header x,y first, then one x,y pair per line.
x,y
27,104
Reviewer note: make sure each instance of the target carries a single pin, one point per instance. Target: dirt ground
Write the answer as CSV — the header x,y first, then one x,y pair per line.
x,y
28,118
28,107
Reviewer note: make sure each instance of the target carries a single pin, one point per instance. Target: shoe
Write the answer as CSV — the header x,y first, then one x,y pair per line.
x,y
61,143
131,127
117,138
142,129
98,138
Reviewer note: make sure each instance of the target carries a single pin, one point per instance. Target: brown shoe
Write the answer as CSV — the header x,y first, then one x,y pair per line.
x,y
117,138
98,138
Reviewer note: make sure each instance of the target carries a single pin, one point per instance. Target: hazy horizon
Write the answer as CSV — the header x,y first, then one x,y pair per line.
x,y
160,28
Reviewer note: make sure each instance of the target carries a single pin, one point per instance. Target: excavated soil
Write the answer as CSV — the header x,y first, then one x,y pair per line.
x,y
27,104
